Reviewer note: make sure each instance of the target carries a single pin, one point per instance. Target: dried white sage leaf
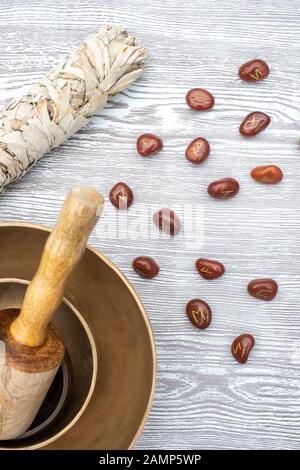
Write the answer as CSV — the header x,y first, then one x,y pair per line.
x,y
61,103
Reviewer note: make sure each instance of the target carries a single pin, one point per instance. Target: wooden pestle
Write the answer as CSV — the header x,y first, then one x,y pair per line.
x,y
31,349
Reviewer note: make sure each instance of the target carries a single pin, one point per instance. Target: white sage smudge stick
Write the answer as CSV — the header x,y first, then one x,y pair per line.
x,y
62,102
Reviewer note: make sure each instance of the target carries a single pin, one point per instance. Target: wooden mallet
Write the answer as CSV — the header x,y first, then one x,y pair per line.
x,y
31,349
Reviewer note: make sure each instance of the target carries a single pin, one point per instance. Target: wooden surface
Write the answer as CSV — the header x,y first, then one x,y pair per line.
x,y
25,377
204,398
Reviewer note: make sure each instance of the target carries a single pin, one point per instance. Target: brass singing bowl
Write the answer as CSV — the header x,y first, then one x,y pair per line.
x,y
115,399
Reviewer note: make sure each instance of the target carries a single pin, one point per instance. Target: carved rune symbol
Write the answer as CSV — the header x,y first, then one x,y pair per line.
x,y
196,314
225,193
197,147
122,199
257,74
250,124
264,293
205,270
238,348
147,144
265,179
123,195
197,98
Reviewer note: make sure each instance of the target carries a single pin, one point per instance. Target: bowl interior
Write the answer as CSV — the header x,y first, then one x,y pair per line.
x,y
124,343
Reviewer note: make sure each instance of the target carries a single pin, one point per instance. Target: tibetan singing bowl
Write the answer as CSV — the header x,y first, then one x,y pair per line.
x,y
109,341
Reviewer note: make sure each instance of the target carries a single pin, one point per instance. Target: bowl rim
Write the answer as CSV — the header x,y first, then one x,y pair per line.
x,y
141,308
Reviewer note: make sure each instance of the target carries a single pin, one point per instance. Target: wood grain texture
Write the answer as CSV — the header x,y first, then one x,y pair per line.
x,y
204,398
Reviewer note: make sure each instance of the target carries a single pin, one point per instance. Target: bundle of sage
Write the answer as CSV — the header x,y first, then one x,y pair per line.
x,y
61,103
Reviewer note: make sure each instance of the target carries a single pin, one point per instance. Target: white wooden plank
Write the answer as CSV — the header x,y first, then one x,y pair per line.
x,y
204,399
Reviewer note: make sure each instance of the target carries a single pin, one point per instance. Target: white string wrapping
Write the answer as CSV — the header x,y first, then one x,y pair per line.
x,y
61,103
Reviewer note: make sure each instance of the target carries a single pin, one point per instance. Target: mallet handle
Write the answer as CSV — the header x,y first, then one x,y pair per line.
x,y
62,252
